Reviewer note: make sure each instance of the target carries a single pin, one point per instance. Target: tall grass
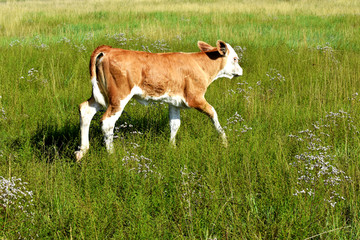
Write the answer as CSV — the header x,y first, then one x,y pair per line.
x,y
291,169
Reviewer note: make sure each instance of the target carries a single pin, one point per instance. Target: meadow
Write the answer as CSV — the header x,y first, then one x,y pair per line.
x,y
292,167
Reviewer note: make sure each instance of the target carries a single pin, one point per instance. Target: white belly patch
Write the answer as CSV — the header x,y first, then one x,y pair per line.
x,y
142,98
176,101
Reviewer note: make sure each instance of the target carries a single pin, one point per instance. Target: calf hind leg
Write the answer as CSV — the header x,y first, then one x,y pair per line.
x,y
87,111
109,119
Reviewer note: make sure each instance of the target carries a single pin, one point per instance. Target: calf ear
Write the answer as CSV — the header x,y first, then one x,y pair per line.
x,y
204,47
221,47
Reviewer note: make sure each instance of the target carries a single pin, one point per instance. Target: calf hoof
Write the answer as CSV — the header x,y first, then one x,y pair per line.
x,y
79,155
225,143
172,144
110,150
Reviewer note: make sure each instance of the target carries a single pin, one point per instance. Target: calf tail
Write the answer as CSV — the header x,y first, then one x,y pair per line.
x,y
98,79
97,54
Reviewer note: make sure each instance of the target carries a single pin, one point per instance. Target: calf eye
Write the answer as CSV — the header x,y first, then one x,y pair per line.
x,y
235,59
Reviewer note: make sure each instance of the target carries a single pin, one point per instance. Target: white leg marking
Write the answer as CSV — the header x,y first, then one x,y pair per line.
x,y
108,124
174,114
87,112
219,129
108,130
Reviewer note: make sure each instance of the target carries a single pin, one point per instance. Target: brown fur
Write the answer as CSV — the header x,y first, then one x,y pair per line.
x,y
179,74
180,78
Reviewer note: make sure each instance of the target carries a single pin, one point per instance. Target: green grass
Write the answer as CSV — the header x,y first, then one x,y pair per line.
x,y
300,64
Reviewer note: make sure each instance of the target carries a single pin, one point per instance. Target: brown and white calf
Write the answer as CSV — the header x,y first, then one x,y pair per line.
x,y
179,79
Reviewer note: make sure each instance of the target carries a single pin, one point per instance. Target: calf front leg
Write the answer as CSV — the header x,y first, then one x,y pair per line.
x,y
203,106
174,116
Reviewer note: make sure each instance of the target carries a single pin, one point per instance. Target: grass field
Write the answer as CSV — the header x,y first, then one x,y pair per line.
x,y
292,168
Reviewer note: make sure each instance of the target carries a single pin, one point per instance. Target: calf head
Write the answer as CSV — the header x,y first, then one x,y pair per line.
x,y
231,67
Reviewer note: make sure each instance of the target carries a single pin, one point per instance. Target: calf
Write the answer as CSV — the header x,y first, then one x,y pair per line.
x,y
179,79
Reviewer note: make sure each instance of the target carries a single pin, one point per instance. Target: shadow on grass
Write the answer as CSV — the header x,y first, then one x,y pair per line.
x,y
51,142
